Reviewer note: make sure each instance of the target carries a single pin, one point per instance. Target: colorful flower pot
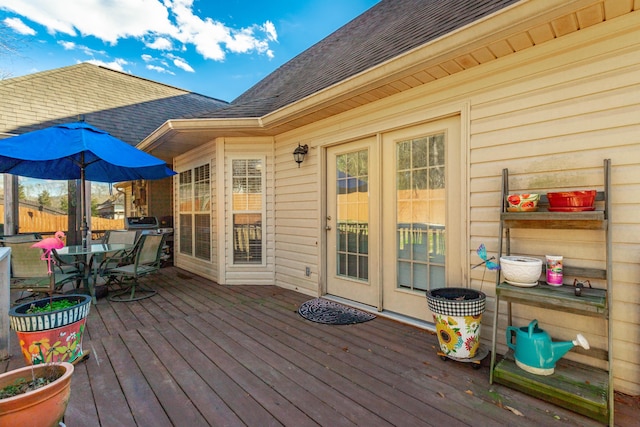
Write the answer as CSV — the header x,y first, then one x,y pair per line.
x,y
457,313
54,336
44,407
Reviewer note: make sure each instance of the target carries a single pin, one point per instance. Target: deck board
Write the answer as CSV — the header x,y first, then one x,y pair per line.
x,y
198,354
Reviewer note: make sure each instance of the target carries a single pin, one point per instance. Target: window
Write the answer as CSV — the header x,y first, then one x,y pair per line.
x,y
352,189
420,209
195,212
247,210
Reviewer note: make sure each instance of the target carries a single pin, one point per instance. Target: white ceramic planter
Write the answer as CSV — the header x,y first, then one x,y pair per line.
x,y
521,270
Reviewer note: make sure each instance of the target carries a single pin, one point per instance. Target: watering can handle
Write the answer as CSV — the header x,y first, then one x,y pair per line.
x,y
510,332
532,326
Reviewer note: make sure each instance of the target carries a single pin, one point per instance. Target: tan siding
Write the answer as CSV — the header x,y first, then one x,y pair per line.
x,y
297,226
550,114
552,130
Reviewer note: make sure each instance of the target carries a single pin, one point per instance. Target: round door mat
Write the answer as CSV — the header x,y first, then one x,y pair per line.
x,y
332,313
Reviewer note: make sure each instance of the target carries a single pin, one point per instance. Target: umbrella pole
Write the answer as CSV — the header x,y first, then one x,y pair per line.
x,y
83,228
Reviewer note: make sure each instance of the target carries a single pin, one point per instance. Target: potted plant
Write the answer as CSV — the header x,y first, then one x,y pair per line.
x,y
35,395
51,329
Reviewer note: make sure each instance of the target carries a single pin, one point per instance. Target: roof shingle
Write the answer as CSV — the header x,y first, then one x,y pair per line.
x,y
126,106
385,31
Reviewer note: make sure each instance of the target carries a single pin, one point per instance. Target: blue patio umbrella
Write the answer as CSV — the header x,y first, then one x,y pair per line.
x,y
78,151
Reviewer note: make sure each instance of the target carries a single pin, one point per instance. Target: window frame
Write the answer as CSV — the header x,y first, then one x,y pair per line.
x,y
232,212
193,213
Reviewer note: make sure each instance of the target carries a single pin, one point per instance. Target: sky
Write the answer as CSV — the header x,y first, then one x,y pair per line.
x,y
218,48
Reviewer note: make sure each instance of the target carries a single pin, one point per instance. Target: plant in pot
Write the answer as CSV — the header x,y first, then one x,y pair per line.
x,y
35,395
51,329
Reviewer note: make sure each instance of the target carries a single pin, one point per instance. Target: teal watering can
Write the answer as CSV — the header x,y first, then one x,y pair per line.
x,y
534,350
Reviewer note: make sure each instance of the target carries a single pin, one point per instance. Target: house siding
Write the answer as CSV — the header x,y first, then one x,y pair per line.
x,y
550,114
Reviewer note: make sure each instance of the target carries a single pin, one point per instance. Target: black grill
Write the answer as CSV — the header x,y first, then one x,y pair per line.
x,y
141,223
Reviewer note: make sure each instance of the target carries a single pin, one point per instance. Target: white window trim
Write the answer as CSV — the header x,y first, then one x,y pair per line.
x,y
229,214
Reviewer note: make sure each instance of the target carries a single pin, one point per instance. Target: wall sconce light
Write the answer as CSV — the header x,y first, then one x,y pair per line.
x,y
299,153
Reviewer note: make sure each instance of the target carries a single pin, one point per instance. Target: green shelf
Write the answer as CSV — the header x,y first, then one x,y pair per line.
x,y
574,386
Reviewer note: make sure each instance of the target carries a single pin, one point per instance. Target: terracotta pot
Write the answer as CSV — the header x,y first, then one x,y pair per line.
x,y
43,407
54,336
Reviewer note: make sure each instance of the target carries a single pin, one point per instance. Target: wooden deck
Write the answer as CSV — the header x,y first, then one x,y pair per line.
x,y
201,354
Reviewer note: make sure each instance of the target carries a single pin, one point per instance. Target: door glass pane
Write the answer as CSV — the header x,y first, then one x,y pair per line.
x,y
352,231
420,212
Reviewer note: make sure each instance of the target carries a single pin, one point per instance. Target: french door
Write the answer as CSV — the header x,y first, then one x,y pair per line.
x,y
395,217
423,211
352,221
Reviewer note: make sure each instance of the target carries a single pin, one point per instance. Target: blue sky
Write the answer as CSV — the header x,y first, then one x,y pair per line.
x,y
212,47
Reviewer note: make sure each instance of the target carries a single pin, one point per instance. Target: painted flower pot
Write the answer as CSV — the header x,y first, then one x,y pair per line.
x,y
457,313
43,407
54,336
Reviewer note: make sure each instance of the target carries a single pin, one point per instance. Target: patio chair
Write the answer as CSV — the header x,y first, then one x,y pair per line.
x,y
126,237
29,273
100,265
147,259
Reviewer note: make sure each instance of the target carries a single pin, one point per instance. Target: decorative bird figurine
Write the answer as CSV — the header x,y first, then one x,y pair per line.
x,y
48,245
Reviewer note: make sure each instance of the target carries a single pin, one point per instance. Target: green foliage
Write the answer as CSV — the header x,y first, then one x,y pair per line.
x,y
21,193
52,306
44,198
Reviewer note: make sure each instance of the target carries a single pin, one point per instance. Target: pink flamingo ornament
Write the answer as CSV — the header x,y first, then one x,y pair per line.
x,y
48,245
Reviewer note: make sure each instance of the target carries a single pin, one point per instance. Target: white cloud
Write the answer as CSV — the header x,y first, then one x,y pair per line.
x,y
20,27
116,64
166,25
146,58
158,69
160,43
209,36
183,65
270,30
67,45
107,20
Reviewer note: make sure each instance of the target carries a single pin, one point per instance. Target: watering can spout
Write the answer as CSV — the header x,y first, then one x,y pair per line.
x,y
561,348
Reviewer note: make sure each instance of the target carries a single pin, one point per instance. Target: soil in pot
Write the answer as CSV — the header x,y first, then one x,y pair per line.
x,y
42,407
26,384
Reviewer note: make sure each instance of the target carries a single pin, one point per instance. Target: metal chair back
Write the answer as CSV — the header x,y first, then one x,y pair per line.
x,y
126,237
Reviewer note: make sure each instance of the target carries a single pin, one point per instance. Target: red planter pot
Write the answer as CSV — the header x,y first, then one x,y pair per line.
x,y
54,336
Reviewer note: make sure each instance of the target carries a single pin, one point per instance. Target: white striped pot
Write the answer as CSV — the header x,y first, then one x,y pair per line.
x,y
21,321
54,336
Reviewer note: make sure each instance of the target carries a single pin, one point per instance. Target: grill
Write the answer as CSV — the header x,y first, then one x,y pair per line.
x,y
151,225
141,223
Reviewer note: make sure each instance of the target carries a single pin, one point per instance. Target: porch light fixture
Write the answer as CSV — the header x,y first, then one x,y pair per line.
x,y
299,153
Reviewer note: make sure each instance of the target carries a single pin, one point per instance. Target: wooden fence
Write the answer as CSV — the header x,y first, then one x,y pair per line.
x,y
33,220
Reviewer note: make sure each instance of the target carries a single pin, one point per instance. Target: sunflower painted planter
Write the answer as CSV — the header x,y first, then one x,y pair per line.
x,y
55,336
457,313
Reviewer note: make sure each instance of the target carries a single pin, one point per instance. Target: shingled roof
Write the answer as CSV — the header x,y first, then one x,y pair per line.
x,y
388,29
126,106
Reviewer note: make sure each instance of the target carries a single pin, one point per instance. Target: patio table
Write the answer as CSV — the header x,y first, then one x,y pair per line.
x,y
85,256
